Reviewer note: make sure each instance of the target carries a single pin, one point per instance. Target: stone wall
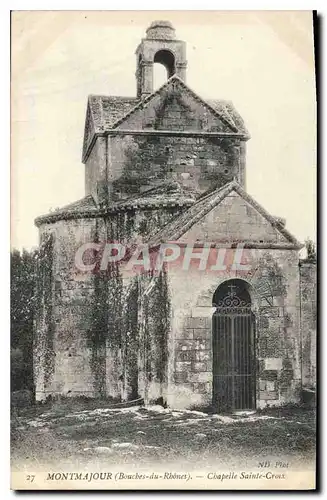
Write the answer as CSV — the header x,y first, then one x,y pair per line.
x,y
134,225
88,318
138,161
274,292
96,171
174,134
68,301
308,285
87,336
122,336
154,327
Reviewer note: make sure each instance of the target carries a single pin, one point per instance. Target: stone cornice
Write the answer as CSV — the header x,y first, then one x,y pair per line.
x,y
260,245
177,133
107,211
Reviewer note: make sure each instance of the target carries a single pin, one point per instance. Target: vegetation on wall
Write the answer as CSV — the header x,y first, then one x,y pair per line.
x,y
130,338
144,161
156,310
44,322
98,333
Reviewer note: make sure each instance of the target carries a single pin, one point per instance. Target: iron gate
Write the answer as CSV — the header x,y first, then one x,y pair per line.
x,y
233,355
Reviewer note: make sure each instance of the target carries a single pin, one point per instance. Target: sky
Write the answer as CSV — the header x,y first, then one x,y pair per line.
x,y
262,61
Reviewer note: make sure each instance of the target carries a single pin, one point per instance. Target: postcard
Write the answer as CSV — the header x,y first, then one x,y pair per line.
x,y
163,261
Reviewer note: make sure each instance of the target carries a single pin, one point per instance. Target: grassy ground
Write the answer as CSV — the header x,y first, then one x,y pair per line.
x,y
93,435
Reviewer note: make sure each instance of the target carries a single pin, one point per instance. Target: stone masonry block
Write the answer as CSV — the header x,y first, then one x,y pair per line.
x,y
180,377
187,333
195,344
270,386
188,321
275,322
269,375
271,312
286,376
273,363
185,355
262,346
202,344
265,395
204,312
202,333
185,345
264,322
262,385
271,347
201,387
203,356
200,322
183,366
287,364
201,366
200,377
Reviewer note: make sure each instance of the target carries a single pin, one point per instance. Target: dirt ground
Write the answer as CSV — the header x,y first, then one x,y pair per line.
x,y
140,436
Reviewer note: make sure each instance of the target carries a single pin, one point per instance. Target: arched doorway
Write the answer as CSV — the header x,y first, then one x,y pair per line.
x,y
234,360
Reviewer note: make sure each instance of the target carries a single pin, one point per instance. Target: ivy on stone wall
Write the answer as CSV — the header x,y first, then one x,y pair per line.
x,y
114,311
162,321
156,310
45,327
271,281
98,333
144,162
130,338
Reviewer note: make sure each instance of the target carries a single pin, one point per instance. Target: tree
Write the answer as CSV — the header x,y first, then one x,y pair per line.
x,y
311,249
22,304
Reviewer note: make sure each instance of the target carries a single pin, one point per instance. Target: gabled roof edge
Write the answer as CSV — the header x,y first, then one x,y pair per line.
x,y
89,118
217,196
147,99
273,220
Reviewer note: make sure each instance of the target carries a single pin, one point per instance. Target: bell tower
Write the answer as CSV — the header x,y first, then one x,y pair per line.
x,y
159,46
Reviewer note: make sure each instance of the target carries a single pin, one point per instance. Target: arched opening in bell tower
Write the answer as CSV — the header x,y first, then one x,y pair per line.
x,y
163,68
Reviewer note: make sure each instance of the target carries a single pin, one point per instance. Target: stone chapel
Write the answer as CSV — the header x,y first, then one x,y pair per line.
x,y
166,166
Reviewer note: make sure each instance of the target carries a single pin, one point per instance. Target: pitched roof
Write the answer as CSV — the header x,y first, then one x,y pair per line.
x,y
182,223
221,113
169,193
108,112
227,108
84,207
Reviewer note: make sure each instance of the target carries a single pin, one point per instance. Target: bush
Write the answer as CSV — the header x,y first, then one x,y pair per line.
x,y
22,304
22,398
